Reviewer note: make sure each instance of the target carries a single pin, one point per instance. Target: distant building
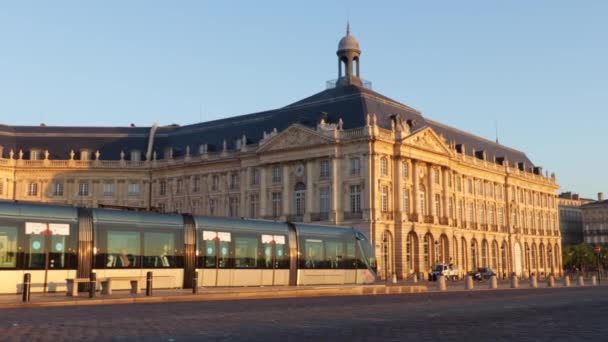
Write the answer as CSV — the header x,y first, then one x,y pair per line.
x,y
571,217
595,221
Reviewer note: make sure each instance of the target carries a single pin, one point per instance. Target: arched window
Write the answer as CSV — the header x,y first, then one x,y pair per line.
x,y
383,166
504,250
411,250
463,253
428,244
542,255
534,257
482,214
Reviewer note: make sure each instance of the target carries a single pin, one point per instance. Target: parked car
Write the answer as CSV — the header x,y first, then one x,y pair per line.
x,y
450,271
482,273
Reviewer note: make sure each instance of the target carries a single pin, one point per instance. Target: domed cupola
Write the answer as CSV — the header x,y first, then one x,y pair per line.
x,y
348,59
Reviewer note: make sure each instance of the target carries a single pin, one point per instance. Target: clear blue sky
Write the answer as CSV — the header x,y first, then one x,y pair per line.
x,y
538,68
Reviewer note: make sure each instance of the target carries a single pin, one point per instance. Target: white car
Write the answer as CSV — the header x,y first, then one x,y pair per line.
x,y
450,271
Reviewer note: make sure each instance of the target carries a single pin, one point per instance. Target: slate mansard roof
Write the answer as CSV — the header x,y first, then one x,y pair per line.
x,y
351,103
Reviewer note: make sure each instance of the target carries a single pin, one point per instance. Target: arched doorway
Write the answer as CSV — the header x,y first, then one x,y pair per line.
x,y
518,259
556,255
494,263
443,250
387,255
411,253
474,256
428,245
463,252
504,249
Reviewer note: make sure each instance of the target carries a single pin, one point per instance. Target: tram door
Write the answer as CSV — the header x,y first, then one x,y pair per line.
x,y
274,255
46,247
217,255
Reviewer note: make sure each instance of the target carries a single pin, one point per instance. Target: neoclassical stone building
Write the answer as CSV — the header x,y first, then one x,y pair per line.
x,y
424,192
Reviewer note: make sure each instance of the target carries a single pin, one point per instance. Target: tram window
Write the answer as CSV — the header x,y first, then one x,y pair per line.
x,y
334,253
280,257
313,253
8,247
159,249
245,252
36,251
350,260
123,249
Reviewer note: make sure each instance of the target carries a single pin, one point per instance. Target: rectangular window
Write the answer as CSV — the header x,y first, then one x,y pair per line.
x,y
324,202
159,250
8,247
197,184
470,186
500,216
482,214
58,189
355,166
233,206
438,205
32,189
162,188
133,189
355,198
216,251
470,213
253,205
215,183
179,186
276,174
313,253
384,198
212,206
108,189
277,204
324,168
490,189
83,189
406,201
234,181
436,176
404,169
255,176
479,188
135,155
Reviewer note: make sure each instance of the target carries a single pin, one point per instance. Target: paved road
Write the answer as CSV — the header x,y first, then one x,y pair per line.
x,y
532,315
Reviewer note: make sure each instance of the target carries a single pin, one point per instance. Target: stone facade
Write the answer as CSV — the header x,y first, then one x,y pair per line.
x,y
595,221
421,197
571,217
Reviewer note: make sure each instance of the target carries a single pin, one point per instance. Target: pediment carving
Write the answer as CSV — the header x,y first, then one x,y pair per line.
x,y
428,140
295,137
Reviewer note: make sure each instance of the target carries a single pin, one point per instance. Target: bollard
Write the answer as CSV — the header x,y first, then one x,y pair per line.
x,y
92,284
441,283
593,281
566,281
468,283
514,281
415,278
581,280
149,284
533,282
394,278
551,281
27,283
493,282
195,283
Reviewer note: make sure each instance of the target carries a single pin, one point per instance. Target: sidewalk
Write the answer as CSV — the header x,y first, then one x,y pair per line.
x,y
206,294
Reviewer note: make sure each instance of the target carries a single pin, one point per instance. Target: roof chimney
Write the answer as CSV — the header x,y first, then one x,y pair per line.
x,y
600,196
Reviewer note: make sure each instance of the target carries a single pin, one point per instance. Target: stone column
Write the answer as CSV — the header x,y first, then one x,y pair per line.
x,y
286,193
242,186
446,197
416,186
309,191
336,191
263,192
430,194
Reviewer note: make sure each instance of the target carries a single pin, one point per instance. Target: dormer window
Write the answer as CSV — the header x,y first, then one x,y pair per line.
x,y
35,155
168,153
202,149
135,155
85,155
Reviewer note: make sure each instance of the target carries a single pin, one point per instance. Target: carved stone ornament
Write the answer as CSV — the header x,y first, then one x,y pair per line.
x,y
296,137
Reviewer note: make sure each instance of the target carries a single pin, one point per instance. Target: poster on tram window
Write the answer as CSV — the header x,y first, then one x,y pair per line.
x,y
209,235
279,239
266,238
223,236
34,228
59,229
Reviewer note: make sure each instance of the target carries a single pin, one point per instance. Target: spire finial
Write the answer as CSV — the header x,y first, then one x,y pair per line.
x,y
348,27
